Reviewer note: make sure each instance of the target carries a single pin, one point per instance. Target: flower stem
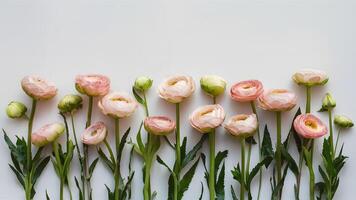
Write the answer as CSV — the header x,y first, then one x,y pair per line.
x,y
29,135
178,155
59,165
279,145
248,159
308,104
253,107
147,159
85,147
117,166
337,139
300,166
212,165
311,173
242,186
331,137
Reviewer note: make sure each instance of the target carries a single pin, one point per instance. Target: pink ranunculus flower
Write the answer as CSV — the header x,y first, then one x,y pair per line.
x,y
205,118
242,125
118,104
38,88
277,100
159,125
176,88
309,126
92,84
47,134
94,134
246,91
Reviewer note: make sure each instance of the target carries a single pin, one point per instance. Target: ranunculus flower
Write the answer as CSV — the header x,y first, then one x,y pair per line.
x,y
117,104
143,83
310,77
246,91
94,134
159,125
205,118
242,125
70,103
16,109
213,85
176,88
343,121
309,126
277,100
47,134
92,84
38,88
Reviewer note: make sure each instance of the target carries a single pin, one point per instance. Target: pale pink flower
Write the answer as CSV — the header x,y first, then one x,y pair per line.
x,y
47,134
242,125
176,88
277,100
92,84
159,125
118,104
206,118
309,126
38,88
246,91
94,134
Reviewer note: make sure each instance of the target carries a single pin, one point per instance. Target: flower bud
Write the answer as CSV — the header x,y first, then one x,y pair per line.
x,y
16,109
343,121
47,134
143,83
159,125
70,103
328,102
213,85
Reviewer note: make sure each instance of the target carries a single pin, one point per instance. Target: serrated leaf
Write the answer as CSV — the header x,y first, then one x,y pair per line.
x,y
19,177
16,163
202,191
122,144
250,140
186,180
160,161
80,193
220,185
138,97
106,160
220,156
255,170
234,197
291,162
236,173
39,168
92,167
192,153
267,149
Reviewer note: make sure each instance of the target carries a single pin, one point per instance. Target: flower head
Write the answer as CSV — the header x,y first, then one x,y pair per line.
x,y
16,109
213,85
310,77
246,91
277,100
242,125
94,134
176,88
38,88
205,118
47,134
159,125
143,83
328,102
118,104
343,121
92,84
309,126
70,103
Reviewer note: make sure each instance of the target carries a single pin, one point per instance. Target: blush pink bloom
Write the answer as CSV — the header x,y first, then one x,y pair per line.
x,y
118,104
309,126
159,125
47,134
94,134
246,91
38,88
92,84
176,88
242,125
277,100
205,118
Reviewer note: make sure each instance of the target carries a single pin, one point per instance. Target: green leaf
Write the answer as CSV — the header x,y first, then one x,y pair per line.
x,y
111,195
220,156
19,177
106,160
186,180
267,149
236,173
254,171
127,186
139,140
92,167
202,191
192,153
16,163
47,196
250,140
122,144
138,97
160,161
220,185
183,150
79,189
169,142
39,168
291,162
234,197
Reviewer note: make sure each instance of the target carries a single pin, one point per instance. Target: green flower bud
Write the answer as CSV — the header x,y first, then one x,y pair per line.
x,y
328,102
343,121
143,83
70,103
16,109
213,85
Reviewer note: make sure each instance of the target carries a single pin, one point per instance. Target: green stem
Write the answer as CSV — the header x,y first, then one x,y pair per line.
x,y
307,108
59,166
300,166
145,104
85,147
212,165
117,166
70,192
337,139
253,107
279,145
112,157
311,173
331,137
178,156
147,159
242,186
248,159
29,135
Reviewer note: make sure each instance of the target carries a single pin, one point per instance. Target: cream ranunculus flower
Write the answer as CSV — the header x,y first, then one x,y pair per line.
x,y
242,125
159,125
205,118
94,134
277,100
176,88
47,134
310,77
38,88
118,104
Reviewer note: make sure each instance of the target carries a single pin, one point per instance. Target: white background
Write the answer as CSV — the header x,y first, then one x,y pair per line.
x,y
265,40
